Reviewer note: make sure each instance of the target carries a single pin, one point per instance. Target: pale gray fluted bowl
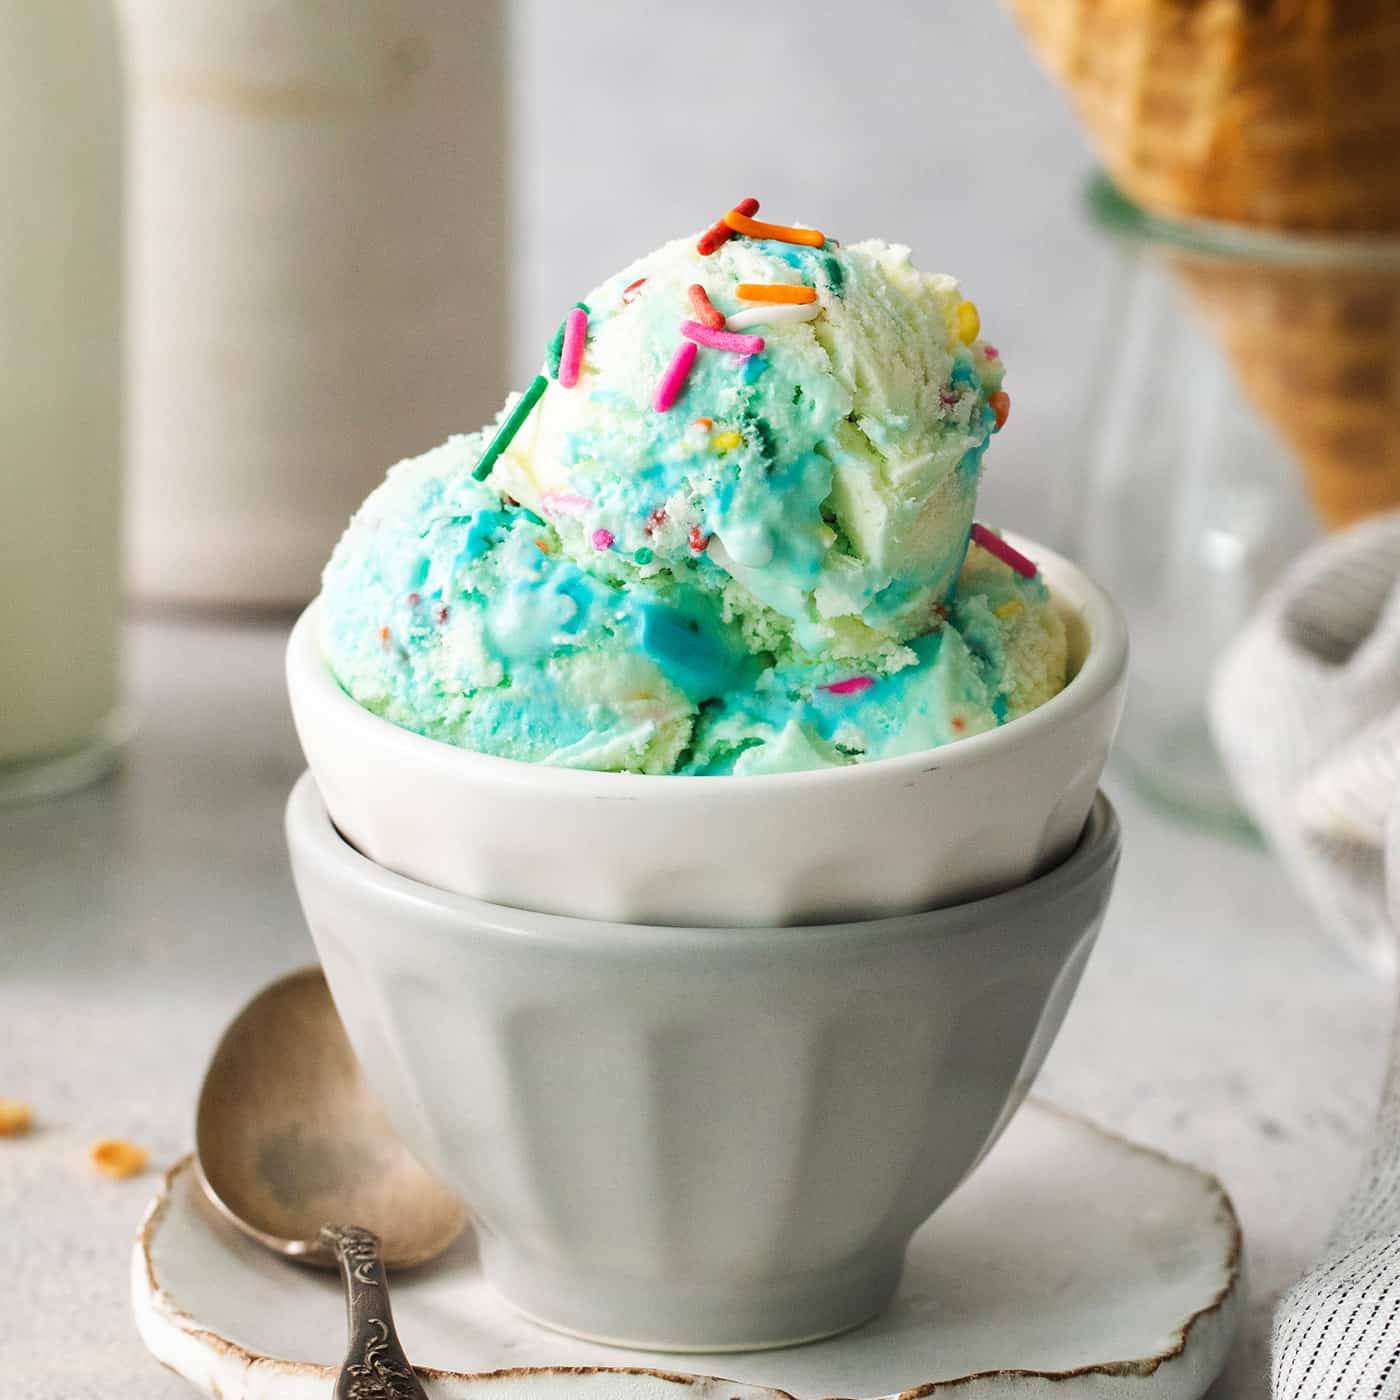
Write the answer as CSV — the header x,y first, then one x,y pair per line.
x,y
696,1138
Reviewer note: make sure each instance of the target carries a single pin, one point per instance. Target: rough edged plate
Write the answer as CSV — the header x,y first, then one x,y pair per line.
x,y
1073,1264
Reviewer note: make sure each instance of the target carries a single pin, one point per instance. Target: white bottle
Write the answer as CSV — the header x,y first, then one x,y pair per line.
x,y
318,272
60,392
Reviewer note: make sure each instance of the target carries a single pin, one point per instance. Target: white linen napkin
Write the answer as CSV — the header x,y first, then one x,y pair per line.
x,y
1306,711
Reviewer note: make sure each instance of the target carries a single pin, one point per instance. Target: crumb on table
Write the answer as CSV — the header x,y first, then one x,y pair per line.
x,y
115,1157
16,1118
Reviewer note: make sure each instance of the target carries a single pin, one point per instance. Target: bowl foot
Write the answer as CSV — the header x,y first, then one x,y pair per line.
x,y
699,1314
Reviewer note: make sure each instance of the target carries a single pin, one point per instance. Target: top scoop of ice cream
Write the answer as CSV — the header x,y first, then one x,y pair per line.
x,y
766,567
831,475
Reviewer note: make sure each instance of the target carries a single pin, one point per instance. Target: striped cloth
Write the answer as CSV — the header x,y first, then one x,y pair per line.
x,y
1306,711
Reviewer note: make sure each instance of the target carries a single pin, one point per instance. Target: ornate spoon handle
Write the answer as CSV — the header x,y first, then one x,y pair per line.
x,y
375,1367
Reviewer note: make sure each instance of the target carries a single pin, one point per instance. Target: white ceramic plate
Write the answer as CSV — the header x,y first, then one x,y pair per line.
x,y
1072,1264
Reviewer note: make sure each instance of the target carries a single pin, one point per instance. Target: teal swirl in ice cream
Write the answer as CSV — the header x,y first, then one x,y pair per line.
x,y
758,564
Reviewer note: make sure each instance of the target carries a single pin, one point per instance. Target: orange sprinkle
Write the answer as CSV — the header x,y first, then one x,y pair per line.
x,y
384,637
1000,405
782,233
959,723
782,293
705,311
542,545
115,1157
706,423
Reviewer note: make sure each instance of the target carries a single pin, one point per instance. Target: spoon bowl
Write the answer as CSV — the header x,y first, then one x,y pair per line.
x,y
289,1138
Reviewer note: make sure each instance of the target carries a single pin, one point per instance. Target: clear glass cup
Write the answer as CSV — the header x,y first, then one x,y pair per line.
x,y
1185,503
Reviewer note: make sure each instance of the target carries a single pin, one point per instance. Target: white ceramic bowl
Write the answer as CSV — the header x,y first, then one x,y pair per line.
x,y
696,1138
919,832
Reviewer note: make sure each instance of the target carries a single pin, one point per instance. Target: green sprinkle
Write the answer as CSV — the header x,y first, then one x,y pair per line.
x,y
510,427
835,276
797,393
644,555
556,346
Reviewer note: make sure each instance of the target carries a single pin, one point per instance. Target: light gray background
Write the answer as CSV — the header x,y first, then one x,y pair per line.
x,y
924,122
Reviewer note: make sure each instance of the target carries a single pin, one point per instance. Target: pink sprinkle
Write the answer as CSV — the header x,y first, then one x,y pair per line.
x,y
571,353
722,340
603,539
994,544
656,520
441,613
946,398
414,599
561,503
673,381
990,351
853,686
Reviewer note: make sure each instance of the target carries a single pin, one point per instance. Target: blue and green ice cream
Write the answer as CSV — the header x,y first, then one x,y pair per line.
x,y
773,574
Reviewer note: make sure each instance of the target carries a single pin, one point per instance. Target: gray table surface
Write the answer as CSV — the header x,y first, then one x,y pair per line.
x,y
137,916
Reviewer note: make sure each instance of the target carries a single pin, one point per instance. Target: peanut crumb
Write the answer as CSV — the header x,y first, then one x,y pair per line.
x,y
117,1158
16,1118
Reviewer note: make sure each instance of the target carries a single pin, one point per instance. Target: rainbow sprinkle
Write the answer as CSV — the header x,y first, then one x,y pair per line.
x,y
740,222
719,232
775,315
507,431
554,503
854,685
673,380
705,311
995,545
571,351
556,342
781,292
722,340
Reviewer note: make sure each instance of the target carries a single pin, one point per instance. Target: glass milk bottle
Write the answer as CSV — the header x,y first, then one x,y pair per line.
x,y
318,272
60,392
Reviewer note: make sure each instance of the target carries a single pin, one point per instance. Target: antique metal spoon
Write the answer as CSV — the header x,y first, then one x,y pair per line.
x,y
289,1142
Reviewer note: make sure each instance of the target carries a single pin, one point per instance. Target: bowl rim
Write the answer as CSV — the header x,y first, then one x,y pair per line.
x,y
311,681
314,838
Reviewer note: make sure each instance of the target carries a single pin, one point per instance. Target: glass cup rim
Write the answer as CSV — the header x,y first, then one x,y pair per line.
x,y
1114,213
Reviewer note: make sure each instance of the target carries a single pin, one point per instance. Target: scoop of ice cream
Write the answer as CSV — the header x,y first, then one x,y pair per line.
x,y
457,615
764,567
1001,652
821,486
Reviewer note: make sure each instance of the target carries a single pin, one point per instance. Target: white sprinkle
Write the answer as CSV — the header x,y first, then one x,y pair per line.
x,y
776,314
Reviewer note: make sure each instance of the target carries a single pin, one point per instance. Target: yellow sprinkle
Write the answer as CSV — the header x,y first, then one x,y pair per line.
x,y
115,1157
969,322
1011,608
15,1118
723,442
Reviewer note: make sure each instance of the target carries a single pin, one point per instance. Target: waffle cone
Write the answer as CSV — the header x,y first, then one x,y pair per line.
x,y
1317,351
1281,114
